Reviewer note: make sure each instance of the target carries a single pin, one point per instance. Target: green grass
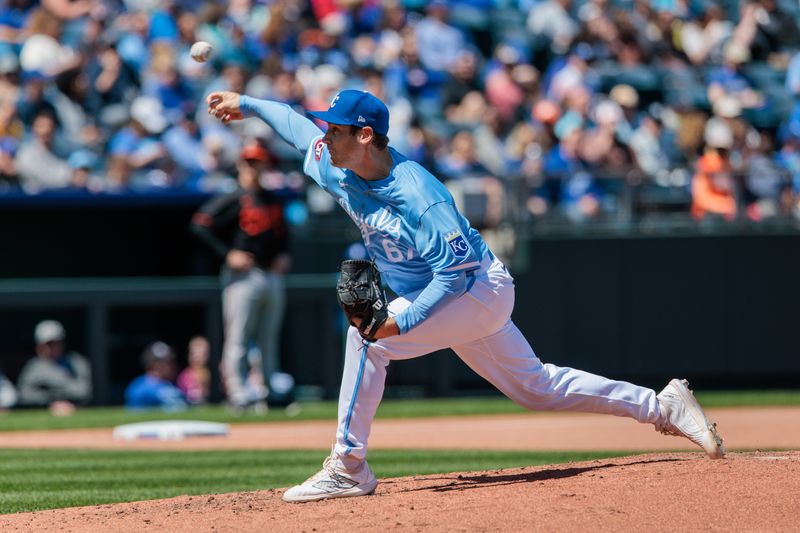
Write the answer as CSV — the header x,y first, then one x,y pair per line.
x,y
100,417
97,417
32,480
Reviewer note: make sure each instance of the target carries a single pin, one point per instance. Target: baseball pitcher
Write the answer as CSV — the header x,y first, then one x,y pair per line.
x,y
453,292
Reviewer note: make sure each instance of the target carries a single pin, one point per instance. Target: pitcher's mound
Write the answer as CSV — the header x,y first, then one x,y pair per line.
x,y
654,492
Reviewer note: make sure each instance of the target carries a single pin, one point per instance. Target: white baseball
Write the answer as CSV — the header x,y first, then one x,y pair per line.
x,y
201,51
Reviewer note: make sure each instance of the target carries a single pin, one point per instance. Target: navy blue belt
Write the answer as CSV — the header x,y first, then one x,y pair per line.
x,y
470,280
471,274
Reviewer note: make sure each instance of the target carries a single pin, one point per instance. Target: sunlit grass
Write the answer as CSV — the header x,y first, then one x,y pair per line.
x,y
32,480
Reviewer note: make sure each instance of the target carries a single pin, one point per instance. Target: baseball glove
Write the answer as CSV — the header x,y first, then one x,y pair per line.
x,y
360,295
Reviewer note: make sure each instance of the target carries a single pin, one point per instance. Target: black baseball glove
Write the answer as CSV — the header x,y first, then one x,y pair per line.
x,y
360,294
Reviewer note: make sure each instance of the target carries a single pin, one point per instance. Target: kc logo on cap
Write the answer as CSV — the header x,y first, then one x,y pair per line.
x,y
356,108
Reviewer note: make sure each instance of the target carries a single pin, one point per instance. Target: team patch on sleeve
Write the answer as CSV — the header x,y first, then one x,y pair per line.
x,y
318,147
457,243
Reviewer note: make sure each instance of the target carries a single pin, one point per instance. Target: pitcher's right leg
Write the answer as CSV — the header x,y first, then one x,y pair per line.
x,y
506,360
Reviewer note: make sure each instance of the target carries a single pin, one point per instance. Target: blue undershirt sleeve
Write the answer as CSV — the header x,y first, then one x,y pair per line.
x,y
443,288
293,127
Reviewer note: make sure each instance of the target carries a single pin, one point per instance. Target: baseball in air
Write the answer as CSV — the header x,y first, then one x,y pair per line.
x,y
201,51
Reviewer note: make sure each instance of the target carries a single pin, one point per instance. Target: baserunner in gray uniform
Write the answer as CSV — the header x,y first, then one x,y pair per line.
x,y
247,229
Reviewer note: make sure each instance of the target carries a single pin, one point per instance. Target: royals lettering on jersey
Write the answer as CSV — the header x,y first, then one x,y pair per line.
x,y
457,243
381,228
382,219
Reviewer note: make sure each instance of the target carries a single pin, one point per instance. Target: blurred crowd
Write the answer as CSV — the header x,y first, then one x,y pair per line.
x,y
527,108
61,379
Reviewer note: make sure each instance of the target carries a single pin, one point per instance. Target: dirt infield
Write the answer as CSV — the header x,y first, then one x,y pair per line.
x,y
761,428
748,491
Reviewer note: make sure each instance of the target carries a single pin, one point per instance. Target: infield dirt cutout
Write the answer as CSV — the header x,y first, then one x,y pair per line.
x,y
665,491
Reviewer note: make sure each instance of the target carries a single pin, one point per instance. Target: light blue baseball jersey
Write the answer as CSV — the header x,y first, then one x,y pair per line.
x,y
408,220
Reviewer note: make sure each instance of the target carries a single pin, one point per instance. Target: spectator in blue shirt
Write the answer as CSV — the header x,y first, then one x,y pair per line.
x,y
155,389
439,42
729,79
184,144
140,144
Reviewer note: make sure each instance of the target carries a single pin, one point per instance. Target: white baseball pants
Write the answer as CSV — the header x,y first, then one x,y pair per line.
x,y
478,327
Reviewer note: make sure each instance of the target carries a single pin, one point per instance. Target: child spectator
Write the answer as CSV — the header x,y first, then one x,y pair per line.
x,y
194,381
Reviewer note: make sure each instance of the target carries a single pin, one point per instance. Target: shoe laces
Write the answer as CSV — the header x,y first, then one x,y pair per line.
x,y
328,470
329,466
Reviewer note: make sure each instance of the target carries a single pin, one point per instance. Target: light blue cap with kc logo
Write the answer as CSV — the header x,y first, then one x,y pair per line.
x,y
356,108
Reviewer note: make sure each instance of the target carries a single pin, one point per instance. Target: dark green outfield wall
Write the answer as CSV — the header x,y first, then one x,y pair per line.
x,y
720,310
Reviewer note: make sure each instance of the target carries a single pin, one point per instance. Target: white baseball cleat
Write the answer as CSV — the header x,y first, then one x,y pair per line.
x,y
682,416
333,481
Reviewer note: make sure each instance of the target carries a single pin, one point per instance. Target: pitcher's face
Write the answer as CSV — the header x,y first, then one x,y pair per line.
x,y
343,145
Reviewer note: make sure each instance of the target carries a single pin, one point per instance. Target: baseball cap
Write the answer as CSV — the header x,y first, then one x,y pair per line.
x,y
157,351
148,111
718,134
48,331
727,106
44,54
356,108
256,152
624,95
